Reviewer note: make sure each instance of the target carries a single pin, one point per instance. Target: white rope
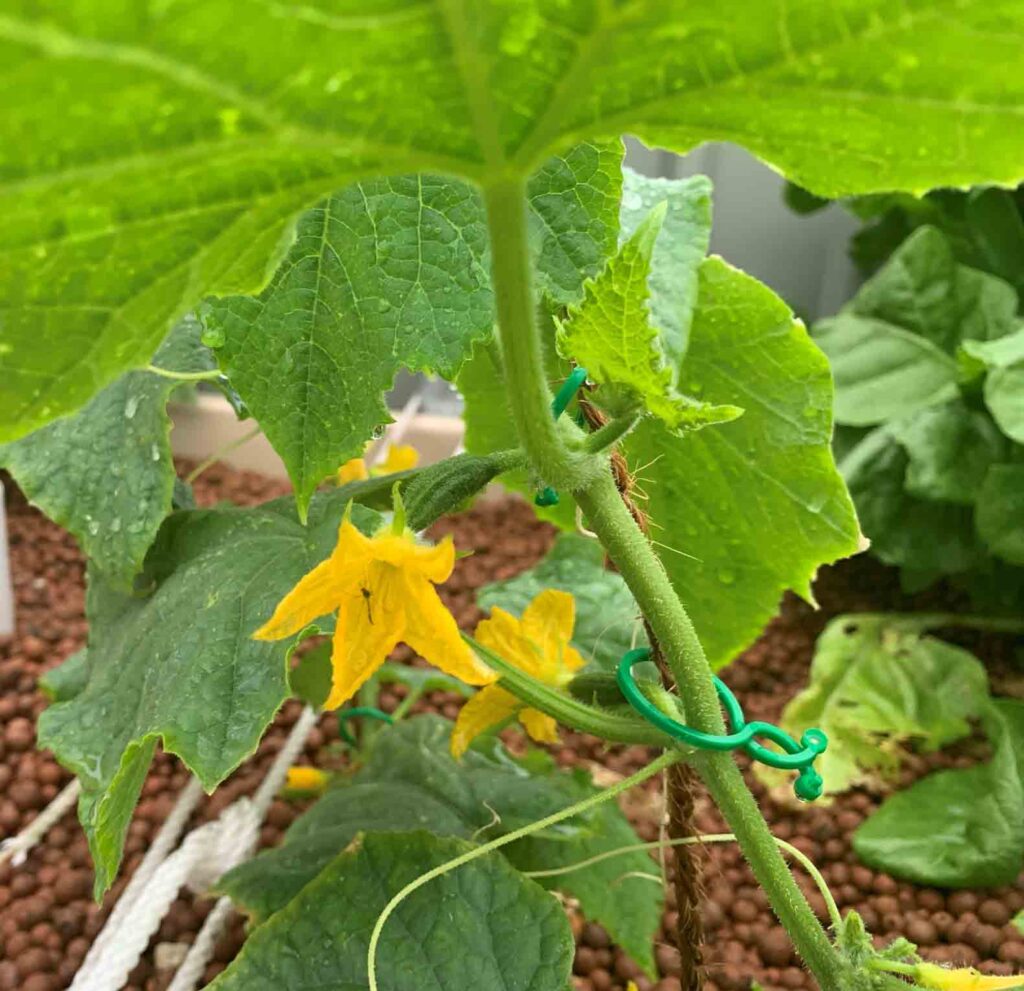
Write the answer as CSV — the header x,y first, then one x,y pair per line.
x,y
204,855
16,848
190,973
158,851
191,970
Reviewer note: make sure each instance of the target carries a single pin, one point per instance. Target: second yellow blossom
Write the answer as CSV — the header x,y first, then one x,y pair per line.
x,y
537,643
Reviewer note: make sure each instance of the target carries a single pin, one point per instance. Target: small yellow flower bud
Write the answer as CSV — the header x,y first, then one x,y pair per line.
x,y
309,779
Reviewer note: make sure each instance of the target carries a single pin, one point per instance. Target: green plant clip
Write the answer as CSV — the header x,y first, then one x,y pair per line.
x,y
797,757
549,496
356,712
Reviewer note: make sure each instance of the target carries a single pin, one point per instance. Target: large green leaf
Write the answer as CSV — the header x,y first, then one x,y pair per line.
x,y
925,290
385,274
882,371
893,347
1004,396
607,616
410,781
999,353
611,334
933,538
748,509
68,678
180,664
482,926
961,828
106,473
1001,512
390,274
950,449
872,689
156,156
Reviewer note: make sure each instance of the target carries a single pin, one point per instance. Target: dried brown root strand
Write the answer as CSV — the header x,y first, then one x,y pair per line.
x,y
682,782
681,788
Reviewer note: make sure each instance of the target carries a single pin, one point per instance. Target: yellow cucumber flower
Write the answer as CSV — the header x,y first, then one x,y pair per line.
x,y
354,470
383,589
930,975
308,779
400,457
538,644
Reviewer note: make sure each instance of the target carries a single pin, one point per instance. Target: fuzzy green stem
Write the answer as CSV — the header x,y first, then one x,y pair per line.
x,y
525,382
655,767
588,477
611,433
643,572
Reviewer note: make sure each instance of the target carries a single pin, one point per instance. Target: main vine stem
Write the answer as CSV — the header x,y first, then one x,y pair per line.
x,y
587,476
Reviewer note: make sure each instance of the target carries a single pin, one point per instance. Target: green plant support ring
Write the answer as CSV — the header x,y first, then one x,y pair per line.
x,y
742,736
549,496
356,712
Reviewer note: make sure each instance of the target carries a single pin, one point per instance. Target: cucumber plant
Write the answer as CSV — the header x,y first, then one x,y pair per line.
x,y
335,192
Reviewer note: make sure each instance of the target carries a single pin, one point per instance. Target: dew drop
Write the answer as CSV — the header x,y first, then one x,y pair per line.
x,y
131,407
726,577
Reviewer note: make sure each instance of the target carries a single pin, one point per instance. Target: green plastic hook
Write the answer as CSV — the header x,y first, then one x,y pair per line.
x,y
357,711
797,756
548,496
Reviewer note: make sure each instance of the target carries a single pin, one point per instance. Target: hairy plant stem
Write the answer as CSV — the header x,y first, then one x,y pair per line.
x,y
590,480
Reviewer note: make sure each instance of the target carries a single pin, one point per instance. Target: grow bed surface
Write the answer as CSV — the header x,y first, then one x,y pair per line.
x,y
48,919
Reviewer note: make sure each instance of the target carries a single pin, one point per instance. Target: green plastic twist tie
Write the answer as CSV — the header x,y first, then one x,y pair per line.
x,y
742,736
357,711
548,496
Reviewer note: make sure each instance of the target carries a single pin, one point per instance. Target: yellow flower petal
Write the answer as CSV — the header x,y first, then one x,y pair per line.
x,y
302,778
432,632
930,975
548,620
503,633
400,457
490,706
315,595
538,643
371,621
434,562
352,471
539,725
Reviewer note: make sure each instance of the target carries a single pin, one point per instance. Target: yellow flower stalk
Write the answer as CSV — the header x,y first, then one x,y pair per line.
x,y
400,457
309,779
538,644
930,975
383,590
